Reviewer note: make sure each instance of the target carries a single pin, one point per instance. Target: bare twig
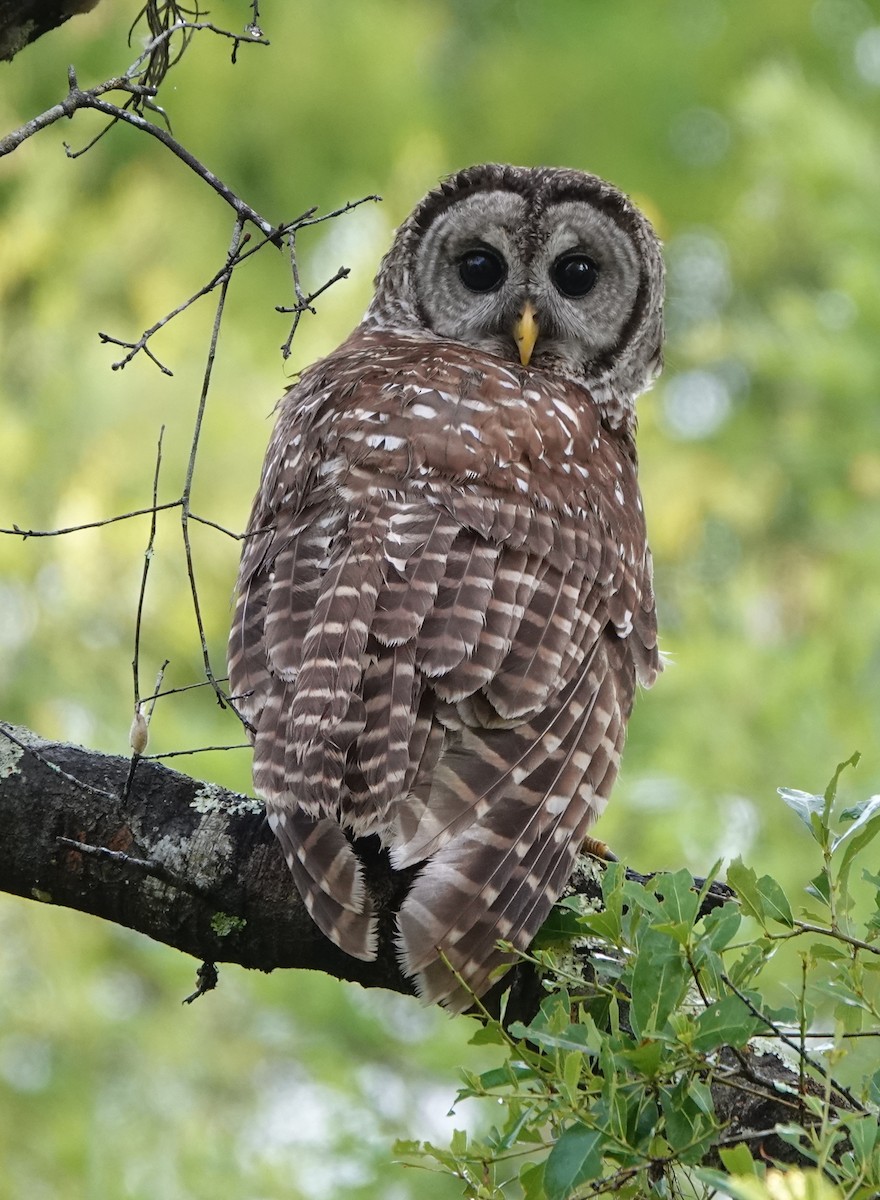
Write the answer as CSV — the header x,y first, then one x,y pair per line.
x,y
148,558
284,232
92,98
187,687
140,866
195,750
24,534
304,303
237,537
799,1050
191,465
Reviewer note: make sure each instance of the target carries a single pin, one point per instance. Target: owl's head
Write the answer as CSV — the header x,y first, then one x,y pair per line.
x,y
545,267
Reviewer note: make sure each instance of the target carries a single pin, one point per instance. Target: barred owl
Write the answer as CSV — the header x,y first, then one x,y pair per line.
x,y
445,597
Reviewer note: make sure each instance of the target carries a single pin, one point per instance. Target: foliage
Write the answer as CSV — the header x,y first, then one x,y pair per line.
x,y
609,1090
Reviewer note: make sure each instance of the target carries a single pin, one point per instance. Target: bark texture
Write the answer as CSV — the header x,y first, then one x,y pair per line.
x,y
219,888
23,21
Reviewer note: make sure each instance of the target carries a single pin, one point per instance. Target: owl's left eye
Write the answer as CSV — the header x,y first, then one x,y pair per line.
x,y
481,270
574,274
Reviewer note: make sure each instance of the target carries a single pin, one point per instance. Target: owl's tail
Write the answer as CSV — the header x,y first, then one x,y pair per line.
x,y
329,877
498,877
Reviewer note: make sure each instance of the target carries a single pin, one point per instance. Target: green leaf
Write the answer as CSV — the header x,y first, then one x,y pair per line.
x,y
722,925
863,830
776,903
531,1179
744,882
820,888
573,1037
831,790
644,1058
679,1121
680,902
561,927
736,1189
507,1075
762,898
834,952
727,1022
458,1143
575,1159
602,924
659,980
406,1146
490,1034
805,804
746,968
738,1160
864,1134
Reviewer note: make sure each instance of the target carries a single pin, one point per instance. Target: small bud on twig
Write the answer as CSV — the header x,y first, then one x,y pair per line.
x,y
139,734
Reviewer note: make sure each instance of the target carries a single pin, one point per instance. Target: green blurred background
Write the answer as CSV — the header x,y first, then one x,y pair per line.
x,y
749,133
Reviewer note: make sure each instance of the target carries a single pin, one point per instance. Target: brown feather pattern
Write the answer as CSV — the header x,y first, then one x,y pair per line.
x,y
441,618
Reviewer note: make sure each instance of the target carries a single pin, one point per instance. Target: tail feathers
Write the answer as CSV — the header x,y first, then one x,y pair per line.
x,y
498,879
449,915
329,877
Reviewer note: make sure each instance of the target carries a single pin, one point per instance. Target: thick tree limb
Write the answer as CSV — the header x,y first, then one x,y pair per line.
x,y
23,21
195,866
208,877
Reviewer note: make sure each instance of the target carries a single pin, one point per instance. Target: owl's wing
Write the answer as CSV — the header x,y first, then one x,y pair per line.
x,y
301,615
529,658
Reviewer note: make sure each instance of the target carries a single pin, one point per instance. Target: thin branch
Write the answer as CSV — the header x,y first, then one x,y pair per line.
x,y
78,99
24,534
237,537
148,558
232,255
284,232
304,303
196,750
141,344
309,219
134,348
836,934
139,866
187,687
793,1045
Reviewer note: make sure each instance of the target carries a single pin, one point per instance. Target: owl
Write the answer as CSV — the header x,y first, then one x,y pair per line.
x,y
445,597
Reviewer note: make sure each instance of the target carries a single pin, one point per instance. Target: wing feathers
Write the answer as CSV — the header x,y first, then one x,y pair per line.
x,y
444,604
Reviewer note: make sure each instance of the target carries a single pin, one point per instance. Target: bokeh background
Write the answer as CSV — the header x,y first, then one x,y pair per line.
x,y
750,133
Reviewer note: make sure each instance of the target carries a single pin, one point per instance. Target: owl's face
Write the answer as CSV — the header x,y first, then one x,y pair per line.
x,y
548,268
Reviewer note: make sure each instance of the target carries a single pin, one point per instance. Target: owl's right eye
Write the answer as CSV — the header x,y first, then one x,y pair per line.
x,y
482,270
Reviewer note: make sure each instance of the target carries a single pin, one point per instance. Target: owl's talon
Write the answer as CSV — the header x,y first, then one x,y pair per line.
x,y
597,849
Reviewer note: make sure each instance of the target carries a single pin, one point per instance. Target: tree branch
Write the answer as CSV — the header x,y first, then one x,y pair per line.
x,y
219,888
23,21
195,866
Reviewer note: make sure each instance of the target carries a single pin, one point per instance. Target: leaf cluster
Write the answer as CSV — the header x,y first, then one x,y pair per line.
x,y
634,1078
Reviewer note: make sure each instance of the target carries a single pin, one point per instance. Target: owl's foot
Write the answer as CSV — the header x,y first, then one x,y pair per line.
x,y
597,849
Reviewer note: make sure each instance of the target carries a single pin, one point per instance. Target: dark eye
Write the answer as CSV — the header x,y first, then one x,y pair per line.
x,y
481,270
574,274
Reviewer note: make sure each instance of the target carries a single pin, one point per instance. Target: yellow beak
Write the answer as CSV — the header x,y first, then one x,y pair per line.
x,y
525,334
